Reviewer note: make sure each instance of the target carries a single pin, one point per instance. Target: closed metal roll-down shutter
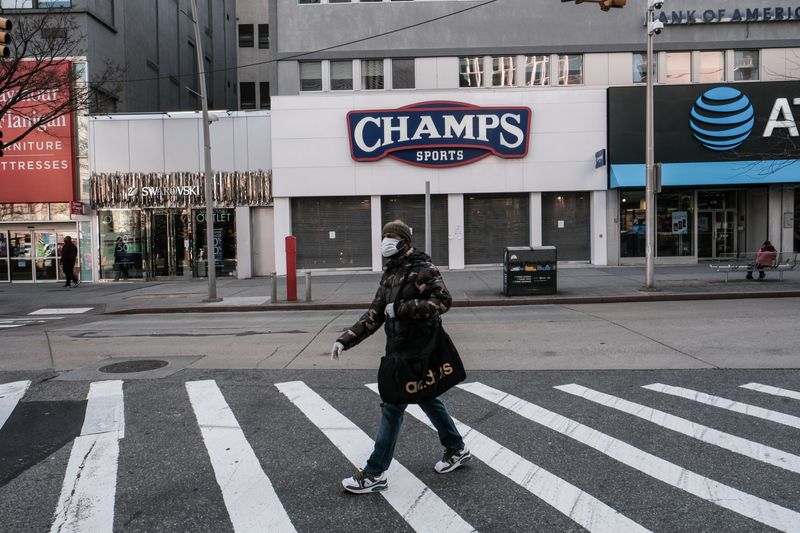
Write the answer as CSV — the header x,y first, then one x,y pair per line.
x,y
491,223
566,224
332,232
411,210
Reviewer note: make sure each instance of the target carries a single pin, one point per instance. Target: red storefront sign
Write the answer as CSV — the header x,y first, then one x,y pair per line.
x,y
76,208
41,166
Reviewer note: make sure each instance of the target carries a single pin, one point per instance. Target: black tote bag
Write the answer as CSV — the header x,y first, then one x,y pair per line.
x,y
421,373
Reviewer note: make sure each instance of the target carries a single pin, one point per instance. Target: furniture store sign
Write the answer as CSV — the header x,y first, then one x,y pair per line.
x,y
439,134
734,15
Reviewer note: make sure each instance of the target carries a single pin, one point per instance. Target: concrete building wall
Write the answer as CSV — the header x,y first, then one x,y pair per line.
x,y
253,63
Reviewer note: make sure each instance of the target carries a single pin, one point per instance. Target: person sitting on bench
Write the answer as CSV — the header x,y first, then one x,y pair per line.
x,y
765,257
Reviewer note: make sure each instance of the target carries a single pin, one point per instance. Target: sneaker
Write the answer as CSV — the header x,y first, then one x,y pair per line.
x,y
452,459
749,276
363,483
78,282
762,275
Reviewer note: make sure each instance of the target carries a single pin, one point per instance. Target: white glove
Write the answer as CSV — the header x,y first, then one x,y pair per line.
x,y
389,311
337,350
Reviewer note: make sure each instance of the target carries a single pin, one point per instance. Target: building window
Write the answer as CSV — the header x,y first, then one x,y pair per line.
x,y
712,67
679,67
504,70
372,74
570,69
537,70
640,68
311,76
403,74
471,69
308,1
245,36
632,223
263,36
341,75
247,95
264,101
745,65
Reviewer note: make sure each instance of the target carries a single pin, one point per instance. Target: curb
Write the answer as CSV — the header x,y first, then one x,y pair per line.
x,y
484,302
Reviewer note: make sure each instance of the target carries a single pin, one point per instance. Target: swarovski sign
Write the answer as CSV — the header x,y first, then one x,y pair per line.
x,y
439,134
186,190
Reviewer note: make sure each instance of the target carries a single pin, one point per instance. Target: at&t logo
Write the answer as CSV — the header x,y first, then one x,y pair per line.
x,y
722,118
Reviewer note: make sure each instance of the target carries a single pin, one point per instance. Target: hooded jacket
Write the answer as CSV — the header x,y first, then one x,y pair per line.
x,y
416,287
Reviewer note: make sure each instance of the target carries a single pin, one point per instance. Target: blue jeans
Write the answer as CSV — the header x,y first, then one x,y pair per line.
x,y
389,430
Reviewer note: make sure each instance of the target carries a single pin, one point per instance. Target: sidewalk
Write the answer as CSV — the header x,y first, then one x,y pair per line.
x,y
354,290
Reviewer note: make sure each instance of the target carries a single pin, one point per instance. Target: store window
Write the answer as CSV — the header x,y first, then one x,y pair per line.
x,y
570,70
679,67
566,224
640,68
246,36
712,67
310,75
403,74
674,224
121,244
632,224
341,75
537,71
224,242
247,95
3,257
745,65
504,70
471,72
372,74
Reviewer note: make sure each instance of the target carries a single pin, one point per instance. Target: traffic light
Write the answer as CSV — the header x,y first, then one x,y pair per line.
x,y
5,37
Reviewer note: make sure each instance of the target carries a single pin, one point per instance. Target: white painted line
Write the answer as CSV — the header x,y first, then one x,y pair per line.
x,y
775,391
417,504
87,496
61,311
5,326
586,510
250,498
239,301
730,405
748,448
105,412
10,395
712,491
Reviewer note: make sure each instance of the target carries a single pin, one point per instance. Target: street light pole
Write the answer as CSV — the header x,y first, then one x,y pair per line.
x,y
211,259
653,27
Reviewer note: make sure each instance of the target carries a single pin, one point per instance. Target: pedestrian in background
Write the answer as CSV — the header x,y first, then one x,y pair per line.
x,y
69,253
409,301
765,257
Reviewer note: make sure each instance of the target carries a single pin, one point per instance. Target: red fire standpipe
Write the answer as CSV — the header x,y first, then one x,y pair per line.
x,y
291,268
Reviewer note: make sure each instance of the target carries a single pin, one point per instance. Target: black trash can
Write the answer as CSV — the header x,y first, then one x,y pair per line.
x,y
529,270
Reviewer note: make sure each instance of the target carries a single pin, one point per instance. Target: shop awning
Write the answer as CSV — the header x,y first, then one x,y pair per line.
x,y
710,173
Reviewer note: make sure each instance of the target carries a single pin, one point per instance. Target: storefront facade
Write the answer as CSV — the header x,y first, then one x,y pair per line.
x,y
730,170
148,196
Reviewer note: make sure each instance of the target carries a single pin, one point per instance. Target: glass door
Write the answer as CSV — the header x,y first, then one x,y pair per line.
x,y
20,251
169,243
159,241
3,256
716,233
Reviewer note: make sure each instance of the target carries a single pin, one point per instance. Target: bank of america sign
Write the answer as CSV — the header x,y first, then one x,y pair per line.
x,y
439,134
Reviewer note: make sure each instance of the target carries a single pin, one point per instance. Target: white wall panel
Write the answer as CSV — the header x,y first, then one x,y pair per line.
x,y
146,138
222,141
595,69
620,69
110,149
425,73
259,142
181,139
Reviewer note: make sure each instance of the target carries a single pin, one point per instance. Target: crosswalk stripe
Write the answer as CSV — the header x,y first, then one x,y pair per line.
x,y
732,443
10,395
730,498
775,391
417,504
8,326
580,506
86,503
61,311
249,496
730,405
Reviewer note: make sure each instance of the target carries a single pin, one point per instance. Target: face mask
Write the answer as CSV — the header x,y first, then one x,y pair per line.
x,y
389,246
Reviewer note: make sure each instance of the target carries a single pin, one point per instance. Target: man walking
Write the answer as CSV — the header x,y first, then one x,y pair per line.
x,y
69,253
410,299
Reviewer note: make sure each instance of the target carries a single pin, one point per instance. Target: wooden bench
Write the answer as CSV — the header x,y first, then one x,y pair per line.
x,y
745,261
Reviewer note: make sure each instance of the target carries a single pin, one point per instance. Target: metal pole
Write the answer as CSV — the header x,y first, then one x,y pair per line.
x,y
428,217
274,297
650,219
308,286
211,260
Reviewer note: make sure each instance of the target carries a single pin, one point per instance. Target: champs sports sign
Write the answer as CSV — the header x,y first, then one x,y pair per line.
x,y
439,134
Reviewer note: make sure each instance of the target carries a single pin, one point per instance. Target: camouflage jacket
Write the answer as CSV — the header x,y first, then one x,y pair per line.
x,y
417,288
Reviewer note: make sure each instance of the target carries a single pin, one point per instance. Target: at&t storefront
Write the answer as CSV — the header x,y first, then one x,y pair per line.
x,y
730,170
